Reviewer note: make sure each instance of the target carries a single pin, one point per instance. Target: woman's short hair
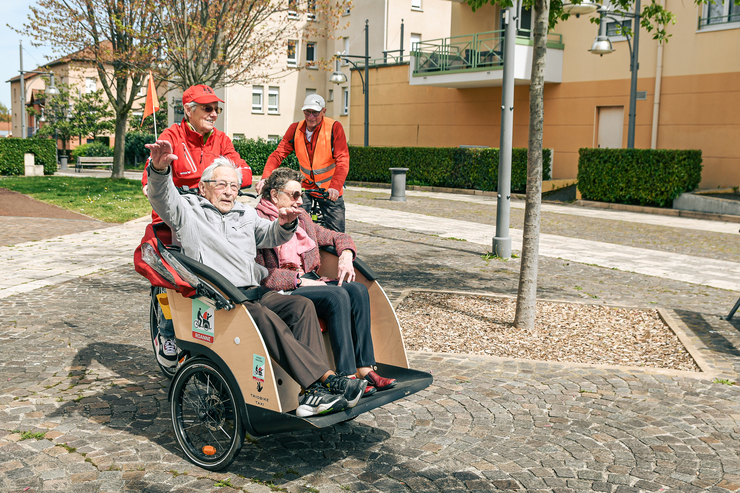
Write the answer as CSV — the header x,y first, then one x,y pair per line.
x,y
279,178
191,105
217,163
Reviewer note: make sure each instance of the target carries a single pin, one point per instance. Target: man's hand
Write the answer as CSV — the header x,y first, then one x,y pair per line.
x,y
345,269
333,194
287,215
145,190
259,186
161,154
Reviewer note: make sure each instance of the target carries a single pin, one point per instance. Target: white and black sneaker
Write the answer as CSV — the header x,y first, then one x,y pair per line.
x,y
166,351
319,400
351,389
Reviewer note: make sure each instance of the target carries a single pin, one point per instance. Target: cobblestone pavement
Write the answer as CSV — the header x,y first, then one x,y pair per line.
x,y
84,407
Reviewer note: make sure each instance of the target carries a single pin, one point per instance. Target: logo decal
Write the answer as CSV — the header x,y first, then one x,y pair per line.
x,y
203,322
258,368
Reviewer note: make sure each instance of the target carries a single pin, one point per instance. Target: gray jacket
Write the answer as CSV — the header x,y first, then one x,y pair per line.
x,y
227,242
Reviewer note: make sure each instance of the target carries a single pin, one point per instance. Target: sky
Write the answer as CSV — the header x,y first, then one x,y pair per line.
x,y
14,13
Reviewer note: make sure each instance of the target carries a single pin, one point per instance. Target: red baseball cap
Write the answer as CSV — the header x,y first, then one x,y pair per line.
x,y
200,94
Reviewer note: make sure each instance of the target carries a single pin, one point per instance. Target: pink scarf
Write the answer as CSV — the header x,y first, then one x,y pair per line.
x,y
290,252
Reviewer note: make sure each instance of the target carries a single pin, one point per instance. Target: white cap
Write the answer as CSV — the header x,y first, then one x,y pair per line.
x,y
313,102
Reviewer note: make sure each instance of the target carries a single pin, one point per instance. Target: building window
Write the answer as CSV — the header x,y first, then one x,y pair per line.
x,y
415,40
310,91
91,85
347,10
292,9
311,55
345,100
616,29
273,100
292,53
415,4
238,137
273,139
257,99
331,95
719,12
311,15
345,46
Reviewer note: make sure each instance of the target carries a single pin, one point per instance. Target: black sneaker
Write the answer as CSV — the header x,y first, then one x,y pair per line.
x,y
352,389
318,400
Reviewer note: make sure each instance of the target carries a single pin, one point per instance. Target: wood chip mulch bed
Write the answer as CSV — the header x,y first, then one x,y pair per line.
x,y
564,332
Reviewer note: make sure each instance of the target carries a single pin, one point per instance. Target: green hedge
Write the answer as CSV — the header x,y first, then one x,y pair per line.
x,y
13,149
256,152
135,153
470,168
428,166
93,149
638,176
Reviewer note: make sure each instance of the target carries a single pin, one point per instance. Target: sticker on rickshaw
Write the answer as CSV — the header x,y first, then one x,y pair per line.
x,y
203,321
258,367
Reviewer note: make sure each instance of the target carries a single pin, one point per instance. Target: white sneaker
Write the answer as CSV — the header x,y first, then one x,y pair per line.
x,y
166,351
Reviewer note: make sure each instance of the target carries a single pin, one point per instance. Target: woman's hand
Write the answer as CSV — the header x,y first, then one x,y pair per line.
x,y
345,269
311,282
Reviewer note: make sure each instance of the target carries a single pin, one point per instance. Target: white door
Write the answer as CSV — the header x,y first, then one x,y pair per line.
x,y
611,126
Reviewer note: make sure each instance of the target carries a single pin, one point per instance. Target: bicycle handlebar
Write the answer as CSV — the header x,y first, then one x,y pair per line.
x,y
317,193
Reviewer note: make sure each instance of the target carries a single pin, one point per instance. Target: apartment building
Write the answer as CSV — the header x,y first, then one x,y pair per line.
x,y
688,90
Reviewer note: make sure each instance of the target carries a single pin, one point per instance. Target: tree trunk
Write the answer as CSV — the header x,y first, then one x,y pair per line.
x,y
120,145
526,300
121,109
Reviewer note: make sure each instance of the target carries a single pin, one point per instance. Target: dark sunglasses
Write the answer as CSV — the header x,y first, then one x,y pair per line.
x,y
295,195
211,109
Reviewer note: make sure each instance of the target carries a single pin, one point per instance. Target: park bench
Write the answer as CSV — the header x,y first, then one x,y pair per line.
x,y
92,161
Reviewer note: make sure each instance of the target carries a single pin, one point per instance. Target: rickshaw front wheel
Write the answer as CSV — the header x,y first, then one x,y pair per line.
x,y
205,415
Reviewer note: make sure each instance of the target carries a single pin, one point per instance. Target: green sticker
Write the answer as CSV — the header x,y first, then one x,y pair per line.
x,y
203,321
258,367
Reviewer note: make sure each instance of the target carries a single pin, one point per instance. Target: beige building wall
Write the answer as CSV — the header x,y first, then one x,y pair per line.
x,y
699,99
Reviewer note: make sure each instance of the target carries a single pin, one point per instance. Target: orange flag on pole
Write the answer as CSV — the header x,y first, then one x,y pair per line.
x,y
152,102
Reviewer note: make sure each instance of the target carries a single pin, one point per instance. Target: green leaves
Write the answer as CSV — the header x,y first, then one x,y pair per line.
x,y
256,152
12,151
638,176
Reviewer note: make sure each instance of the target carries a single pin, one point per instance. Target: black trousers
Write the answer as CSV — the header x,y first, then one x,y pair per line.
x,y
346,310
291,331
333,211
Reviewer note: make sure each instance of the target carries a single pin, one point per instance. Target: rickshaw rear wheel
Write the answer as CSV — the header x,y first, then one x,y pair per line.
x,y
205,415
169,371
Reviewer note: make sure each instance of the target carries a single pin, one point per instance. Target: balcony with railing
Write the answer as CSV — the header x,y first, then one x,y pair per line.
x,y
477,60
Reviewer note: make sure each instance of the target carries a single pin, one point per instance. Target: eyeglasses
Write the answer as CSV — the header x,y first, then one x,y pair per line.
x,y
296,194
211,109
221,185
311,113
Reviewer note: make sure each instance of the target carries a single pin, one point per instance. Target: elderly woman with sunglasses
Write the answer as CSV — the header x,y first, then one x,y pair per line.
x,y
197,142
343,304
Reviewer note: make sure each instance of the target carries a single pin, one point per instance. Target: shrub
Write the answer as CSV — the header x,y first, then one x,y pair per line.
x,y
638,176
93,149
135,153
13,149
256,152
468,168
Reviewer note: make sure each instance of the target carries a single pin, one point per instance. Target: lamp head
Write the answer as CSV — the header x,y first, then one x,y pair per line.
x,y
602,46
585,7
338,77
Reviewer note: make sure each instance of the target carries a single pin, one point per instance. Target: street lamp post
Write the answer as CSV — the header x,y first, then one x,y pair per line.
x,y
338,77
603,46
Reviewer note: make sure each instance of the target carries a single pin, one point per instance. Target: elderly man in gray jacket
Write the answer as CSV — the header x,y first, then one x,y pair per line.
x,y
222,233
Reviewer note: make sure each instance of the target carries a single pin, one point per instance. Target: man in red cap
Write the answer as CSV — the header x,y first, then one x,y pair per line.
x,y
197,142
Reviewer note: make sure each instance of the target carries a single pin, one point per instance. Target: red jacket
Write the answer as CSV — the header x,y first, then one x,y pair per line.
x,y
339,144
193,156
286,279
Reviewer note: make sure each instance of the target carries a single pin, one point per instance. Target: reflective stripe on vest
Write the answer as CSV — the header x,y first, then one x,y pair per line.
x,y
321,171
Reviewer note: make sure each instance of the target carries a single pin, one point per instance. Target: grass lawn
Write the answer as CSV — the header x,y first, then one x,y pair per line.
x,y
113,201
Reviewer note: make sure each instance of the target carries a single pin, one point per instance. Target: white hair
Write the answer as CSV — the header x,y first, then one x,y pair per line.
x,y
219,162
